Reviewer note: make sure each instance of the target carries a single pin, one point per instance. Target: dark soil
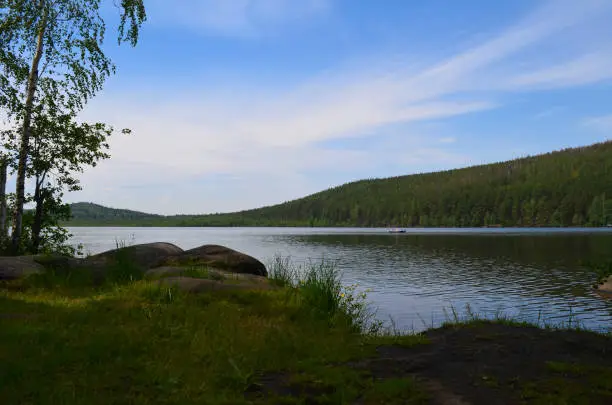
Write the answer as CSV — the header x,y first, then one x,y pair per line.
x,y
475,363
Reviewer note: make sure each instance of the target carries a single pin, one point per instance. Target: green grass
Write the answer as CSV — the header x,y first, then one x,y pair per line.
x,y
321,291
128,340
396,390
570,383
63,340
199,272
469,317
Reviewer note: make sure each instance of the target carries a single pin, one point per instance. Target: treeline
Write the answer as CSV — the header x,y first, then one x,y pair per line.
x,y
572,187
94,212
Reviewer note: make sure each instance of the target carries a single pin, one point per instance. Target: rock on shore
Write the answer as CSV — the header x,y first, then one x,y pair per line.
x,y
142,257
605,287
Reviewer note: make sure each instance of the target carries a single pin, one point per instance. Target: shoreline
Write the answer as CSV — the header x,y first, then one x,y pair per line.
x,y
144,341
304,226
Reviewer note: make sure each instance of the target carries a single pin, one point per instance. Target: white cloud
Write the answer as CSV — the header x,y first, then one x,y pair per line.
x,y
448,139
600,123
272,136
589,68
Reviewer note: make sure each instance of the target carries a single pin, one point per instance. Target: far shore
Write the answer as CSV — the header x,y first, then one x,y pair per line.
x,y
408,229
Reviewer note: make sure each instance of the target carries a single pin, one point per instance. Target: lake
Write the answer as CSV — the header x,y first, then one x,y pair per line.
x,y
417,278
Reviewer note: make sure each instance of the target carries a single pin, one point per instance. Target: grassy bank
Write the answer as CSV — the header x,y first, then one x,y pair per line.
x,y
131,341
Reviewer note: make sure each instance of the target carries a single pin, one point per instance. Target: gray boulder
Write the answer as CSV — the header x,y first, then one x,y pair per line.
x,y
219,257
199,285
143,256
165,271
16,267
206,273
58,262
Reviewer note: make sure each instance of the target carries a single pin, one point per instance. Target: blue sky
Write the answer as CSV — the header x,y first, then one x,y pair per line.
x,y
237,104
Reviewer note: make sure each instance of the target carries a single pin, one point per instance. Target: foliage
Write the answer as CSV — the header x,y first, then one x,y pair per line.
x,y
52,64
54,239
98,213
319,287
61,148
73,66
572,187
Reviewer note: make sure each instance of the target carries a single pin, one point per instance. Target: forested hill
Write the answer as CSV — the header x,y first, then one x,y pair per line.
x,y
89,212
572,187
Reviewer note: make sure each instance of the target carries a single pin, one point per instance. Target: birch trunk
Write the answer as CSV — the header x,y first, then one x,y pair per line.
x,y
24,149
3,224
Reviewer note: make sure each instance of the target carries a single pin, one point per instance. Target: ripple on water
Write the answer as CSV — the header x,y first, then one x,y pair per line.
x,y
417,278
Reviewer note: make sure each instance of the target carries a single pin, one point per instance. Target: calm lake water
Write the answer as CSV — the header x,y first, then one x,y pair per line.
x,y
417,278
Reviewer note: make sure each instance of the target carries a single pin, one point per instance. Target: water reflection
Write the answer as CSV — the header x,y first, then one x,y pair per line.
x,y
414,277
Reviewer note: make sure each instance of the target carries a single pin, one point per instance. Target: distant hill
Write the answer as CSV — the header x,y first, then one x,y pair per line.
x,y
571,187
85,212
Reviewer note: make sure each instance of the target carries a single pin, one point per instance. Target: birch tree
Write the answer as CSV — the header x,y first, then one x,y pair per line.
x,y
61,149
51,58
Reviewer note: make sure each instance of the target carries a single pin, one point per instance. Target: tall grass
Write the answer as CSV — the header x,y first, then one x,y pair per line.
x,y
122,243
120,270
282,272
454,317
318,287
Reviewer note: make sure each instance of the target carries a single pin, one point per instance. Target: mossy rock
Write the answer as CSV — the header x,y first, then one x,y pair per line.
x,y
219,257
143,256
201,272
199,285
17,267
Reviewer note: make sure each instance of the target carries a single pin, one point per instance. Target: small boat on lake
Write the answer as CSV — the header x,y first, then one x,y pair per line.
x,y
396,230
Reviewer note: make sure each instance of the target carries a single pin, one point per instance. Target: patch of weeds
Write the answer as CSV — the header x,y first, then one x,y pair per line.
x,y
57,278
161,294
316,384
470,318
122,269
571,384
281,271
196,272
402,340
321,292
318,289
396,391
122,243
599,377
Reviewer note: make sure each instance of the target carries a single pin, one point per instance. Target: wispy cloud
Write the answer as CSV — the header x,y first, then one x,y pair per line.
x,y
600,123
448,139
234,17
264,133
588,68
549,112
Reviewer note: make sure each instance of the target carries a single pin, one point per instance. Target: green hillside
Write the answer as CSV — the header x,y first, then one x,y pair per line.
x,y
572,187
89,212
